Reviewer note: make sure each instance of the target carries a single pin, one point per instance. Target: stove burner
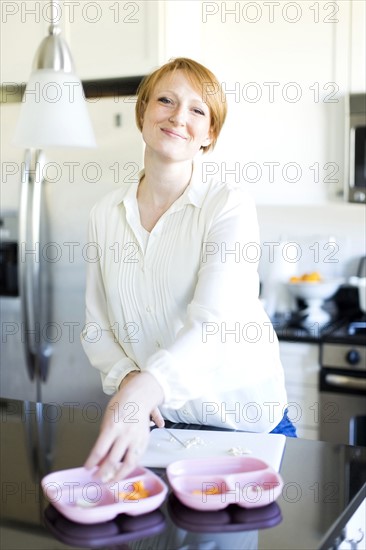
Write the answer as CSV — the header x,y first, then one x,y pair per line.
x,y
357,327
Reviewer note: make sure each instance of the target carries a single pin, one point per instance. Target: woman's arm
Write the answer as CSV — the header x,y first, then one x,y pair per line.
x,y
97,338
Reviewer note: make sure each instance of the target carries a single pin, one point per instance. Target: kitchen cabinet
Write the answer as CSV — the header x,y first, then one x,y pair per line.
x,y
116,38
134,37
23,27
349,47
358,57
301,365
107,39
113,38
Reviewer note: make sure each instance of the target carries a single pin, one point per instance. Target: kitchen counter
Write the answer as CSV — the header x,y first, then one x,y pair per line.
x,y
323,485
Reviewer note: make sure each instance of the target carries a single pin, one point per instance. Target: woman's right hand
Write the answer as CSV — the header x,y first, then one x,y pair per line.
x,y
125,427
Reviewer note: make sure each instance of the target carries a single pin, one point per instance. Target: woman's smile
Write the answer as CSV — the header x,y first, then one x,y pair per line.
x,y
172,133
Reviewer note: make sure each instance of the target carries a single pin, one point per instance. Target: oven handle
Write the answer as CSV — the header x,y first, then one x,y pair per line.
x,y
347,382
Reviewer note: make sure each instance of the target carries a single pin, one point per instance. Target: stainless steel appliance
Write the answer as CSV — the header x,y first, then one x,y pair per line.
x,y
9,255
355,176
343,379
43,264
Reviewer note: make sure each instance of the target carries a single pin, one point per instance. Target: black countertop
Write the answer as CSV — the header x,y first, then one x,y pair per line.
x,y
323,485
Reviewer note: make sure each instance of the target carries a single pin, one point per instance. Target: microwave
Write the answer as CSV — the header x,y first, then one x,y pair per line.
x,y
355,176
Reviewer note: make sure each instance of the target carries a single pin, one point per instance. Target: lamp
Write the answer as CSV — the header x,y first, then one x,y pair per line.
x,y
54,111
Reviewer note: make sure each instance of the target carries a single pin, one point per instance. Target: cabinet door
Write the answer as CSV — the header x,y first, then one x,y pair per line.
x,y
115,38
358,50
301,365
23,27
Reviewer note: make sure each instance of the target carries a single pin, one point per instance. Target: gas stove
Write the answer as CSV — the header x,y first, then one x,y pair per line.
x,y
351,330
347,324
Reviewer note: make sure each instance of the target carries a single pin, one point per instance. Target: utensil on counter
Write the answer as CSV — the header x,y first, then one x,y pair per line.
x,y
175,437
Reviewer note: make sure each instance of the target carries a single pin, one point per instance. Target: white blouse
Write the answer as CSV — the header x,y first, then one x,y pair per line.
x,y
182,303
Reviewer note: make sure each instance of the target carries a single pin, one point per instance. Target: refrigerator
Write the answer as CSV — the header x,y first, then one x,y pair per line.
x,y
42,315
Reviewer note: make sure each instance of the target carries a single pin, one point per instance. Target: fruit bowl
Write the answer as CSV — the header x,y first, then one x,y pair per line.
x,y
314,290
314,293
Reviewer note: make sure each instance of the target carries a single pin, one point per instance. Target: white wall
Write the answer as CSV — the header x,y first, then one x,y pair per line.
x,y
311,227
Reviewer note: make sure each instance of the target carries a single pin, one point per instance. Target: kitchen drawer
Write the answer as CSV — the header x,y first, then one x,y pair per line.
x,y
303,405
303,376
307,433
300,363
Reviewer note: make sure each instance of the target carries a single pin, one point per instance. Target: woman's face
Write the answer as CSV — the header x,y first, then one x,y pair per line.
x,y
176,122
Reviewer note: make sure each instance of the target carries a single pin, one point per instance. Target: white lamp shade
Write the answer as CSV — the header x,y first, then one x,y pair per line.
x,y
54,113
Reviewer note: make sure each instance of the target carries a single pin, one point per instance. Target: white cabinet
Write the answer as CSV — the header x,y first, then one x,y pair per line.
x,y
116,38
349,47
358,48
23,25
301,365
107,39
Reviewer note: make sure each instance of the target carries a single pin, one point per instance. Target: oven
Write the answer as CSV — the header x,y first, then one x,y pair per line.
x,y
342,382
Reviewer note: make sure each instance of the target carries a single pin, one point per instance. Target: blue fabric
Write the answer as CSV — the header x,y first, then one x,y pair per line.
x,y
285,427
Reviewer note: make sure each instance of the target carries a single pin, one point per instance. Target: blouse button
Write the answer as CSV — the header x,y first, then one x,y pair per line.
x,y
158,345
148,309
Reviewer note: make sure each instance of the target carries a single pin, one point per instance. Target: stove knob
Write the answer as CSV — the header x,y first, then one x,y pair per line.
x,y
353,357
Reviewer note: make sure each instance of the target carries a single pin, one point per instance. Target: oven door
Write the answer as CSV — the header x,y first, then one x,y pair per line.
x,y
342,399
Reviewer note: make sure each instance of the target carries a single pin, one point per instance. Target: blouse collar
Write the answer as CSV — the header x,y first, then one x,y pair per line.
x,y
194,193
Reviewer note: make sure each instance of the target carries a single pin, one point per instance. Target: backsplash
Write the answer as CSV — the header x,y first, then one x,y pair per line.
x,y
329,238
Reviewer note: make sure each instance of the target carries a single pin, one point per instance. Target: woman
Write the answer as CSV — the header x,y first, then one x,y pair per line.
x,y
173,319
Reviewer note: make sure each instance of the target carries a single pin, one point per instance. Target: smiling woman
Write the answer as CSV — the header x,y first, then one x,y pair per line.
x,y
202,343
176,122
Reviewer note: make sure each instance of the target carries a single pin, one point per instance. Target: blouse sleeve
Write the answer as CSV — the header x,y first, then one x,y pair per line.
x,y
219,339
97,337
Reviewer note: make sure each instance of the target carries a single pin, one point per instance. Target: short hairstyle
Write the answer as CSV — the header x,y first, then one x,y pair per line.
x,y
201,78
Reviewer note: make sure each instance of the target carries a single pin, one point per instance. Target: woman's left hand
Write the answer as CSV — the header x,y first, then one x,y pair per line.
x,y
125,428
